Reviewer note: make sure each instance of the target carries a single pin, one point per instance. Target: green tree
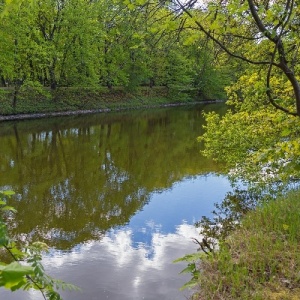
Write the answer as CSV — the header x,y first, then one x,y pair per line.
x,y
261,33
52,42
111,43
258,137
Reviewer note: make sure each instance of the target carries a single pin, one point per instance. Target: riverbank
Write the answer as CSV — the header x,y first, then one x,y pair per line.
x,y
260,260
93,111
32,103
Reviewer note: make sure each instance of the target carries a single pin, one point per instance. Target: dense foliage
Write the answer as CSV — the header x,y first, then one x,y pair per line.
x,y
259,136
113,43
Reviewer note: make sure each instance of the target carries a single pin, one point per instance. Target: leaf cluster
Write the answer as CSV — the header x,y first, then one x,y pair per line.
x,y
260,147
24,269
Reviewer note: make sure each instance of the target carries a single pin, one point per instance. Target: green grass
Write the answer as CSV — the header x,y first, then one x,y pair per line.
x,y
260,260
31,100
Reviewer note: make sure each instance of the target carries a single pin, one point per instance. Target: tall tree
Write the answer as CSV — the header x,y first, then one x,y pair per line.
x,y
259,137
261,33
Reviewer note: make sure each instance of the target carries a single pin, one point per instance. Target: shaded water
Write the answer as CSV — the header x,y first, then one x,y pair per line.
x,y
114,195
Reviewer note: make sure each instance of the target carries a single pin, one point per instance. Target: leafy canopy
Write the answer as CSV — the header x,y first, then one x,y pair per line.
x,y
258,138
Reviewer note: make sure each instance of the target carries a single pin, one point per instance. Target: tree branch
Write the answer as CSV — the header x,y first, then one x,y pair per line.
x,y
219,43
269,90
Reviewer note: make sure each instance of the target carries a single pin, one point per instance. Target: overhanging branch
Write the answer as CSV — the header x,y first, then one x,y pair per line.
x,y
218,42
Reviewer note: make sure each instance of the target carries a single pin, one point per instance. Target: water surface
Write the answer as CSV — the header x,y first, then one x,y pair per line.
x,y
114,195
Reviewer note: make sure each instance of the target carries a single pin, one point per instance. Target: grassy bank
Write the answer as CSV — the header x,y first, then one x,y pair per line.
x,y
260,260
32,100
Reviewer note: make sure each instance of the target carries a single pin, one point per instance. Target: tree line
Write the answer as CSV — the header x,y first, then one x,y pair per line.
x,y
65,43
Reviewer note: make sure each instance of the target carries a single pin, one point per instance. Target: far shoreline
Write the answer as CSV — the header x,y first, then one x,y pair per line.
x,y
25,116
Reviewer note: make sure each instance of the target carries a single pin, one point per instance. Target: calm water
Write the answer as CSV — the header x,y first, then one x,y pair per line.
x,y
114,195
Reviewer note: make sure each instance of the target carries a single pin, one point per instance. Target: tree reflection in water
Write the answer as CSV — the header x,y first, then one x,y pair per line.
x,y
114,195
77,177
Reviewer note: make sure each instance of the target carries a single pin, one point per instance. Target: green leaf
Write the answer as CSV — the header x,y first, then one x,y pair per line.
x,y
15,270
17,253
189,269
7,193
189,257
190,284
286,132
131,6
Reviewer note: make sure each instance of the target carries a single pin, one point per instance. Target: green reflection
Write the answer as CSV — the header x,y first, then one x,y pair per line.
x,y
79,176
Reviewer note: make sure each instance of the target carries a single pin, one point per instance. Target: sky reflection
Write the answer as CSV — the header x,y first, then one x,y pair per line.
x,y
136,261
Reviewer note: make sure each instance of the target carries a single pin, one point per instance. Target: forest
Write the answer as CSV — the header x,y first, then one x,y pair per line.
x,y
113,44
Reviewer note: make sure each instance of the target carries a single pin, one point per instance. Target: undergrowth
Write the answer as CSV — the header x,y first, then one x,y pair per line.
x,y
258,259
34,99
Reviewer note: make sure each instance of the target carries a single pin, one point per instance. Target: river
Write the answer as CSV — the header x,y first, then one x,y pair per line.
x,y
114,195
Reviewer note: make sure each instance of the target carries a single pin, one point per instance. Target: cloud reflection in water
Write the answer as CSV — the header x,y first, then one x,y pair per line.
x,y
117,268
136,261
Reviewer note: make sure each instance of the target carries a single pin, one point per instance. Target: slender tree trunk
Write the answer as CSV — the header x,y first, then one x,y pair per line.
x,y
53,81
